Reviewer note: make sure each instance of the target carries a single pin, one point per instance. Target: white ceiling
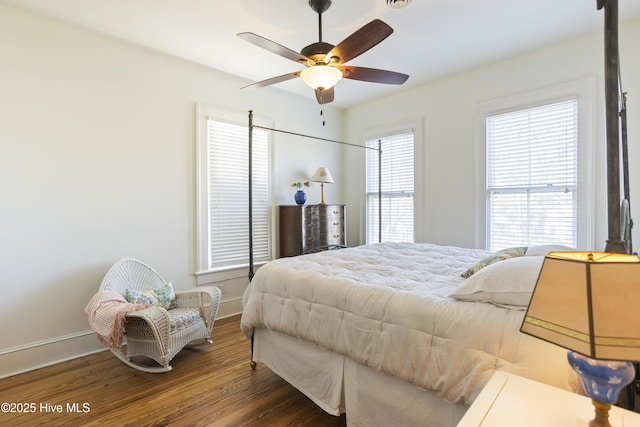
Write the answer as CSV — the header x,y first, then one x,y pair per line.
x,y
431,39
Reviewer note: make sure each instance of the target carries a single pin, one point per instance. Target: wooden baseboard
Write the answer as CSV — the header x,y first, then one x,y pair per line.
x,y
39,354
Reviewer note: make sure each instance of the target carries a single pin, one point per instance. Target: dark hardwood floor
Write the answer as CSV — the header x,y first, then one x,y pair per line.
x,y
210,385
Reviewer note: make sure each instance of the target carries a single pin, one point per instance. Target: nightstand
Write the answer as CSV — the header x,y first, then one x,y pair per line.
x,y
510,400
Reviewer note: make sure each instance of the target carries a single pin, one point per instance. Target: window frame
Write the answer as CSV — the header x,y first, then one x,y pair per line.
x,y
381,132
584,91
204,273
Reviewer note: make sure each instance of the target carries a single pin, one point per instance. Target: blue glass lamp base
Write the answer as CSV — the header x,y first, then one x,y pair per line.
x,y
603,380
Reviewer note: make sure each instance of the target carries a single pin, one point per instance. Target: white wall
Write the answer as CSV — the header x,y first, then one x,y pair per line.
x,y
447,111
97,162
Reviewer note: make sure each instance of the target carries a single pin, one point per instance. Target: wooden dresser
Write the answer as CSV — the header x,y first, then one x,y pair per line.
x,y
311,228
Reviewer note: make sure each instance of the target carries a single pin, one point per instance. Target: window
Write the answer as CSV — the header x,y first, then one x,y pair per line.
x,y
532,176
534,168
397,189
223,188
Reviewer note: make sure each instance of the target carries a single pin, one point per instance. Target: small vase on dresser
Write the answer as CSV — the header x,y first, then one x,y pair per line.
x,y
300,197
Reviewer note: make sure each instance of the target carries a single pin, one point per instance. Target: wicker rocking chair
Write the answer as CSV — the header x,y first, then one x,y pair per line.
x,y
155,332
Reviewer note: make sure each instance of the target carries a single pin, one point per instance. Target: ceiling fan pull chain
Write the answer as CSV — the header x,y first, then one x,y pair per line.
x,y
320,96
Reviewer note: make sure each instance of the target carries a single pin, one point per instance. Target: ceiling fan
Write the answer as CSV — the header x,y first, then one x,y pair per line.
x,y
324,62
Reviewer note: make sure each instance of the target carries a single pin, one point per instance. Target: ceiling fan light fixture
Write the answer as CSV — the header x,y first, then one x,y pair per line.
x,y
321,77
398,4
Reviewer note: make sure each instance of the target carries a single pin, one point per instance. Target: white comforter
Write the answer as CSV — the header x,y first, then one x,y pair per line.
x,y
386,306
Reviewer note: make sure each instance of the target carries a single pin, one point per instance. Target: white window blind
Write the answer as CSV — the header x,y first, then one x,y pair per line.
x,y
397,176
228,208
532,176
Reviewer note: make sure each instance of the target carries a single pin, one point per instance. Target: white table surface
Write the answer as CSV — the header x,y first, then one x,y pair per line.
x,y
510,400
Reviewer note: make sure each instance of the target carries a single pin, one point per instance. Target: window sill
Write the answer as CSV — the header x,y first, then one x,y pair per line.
x,y
224,273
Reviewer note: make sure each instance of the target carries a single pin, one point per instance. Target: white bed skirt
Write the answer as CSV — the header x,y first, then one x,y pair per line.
x,y
338,385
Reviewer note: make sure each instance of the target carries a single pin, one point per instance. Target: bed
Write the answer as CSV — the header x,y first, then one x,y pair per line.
x,y
393,334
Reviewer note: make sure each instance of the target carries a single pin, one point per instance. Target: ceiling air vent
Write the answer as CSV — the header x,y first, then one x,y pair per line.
x,y
398,4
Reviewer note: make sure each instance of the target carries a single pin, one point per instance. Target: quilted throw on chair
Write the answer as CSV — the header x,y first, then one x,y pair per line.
x,y
107,311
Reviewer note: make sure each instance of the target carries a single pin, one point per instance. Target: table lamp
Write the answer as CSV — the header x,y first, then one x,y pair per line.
x,y
322,176
589,303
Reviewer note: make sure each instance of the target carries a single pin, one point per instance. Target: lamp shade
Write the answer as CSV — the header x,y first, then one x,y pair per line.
x,y
321,77
588,302
322,175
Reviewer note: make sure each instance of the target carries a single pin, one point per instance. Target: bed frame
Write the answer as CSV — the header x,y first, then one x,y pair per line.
x,y
618,208
619,219
252,126
620,223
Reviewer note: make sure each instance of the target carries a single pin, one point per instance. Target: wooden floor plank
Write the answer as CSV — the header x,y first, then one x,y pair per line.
x,y
210,385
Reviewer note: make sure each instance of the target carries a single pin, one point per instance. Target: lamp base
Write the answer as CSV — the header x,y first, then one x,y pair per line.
x,y
602,414
603,380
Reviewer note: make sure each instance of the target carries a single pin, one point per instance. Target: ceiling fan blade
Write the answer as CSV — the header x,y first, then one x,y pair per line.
x,y
360,41
276,48
373,75
273,80
324,96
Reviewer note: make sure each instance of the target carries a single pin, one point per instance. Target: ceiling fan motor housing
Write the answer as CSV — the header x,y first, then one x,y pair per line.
x,y
317,51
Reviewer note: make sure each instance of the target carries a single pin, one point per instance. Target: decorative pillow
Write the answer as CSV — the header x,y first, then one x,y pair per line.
x,y
514,252
501,255
491,259
506,284
543,250
162,297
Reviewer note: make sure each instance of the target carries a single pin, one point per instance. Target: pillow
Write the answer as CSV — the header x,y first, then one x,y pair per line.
x,y
506,284
162,297
514,252
484,262
501,255
543,250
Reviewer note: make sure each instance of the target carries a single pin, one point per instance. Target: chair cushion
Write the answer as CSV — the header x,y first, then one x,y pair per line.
x,y
182,318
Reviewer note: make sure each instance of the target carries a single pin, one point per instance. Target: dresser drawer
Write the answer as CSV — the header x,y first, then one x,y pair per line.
x,y
323,213
335,240
337,223
326,235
